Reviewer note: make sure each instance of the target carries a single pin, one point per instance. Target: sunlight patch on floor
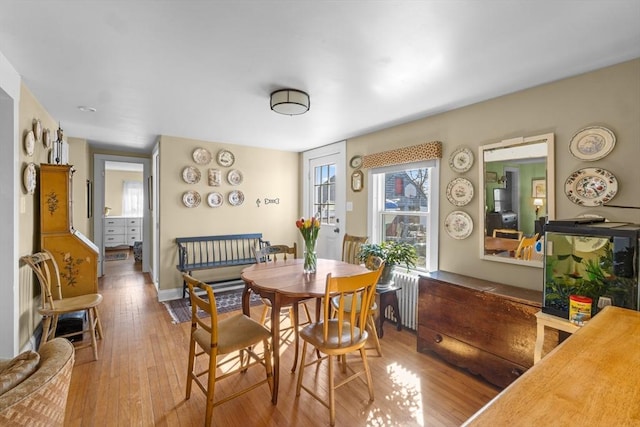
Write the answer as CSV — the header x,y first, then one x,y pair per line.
x,y
406,394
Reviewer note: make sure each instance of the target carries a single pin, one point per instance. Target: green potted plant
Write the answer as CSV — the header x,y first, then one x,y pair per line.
x,y
393,253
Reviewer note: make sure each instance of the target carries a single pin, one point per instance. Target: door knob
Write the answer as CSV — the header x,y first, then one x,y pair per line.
x,y
336,230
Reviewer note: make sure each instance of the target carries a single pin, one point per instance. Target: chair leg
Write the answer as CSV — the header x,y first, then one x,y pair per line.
x,y
374,332
301,370
192,356
211,386
263,316
332,393
268,366
367,371
306,312
92,331
46,324
98,323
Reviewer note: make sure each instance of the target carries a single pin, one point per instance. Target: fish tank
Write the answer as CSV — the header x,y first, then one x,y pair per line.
x,y
592,258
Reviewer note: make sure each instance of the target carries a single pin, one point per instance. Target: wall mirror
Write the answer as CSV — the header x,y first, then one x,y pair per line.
x,y
517,176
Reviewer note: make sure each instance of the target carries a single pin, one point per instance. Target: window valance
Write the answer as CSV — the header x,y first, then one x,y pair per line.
x,y
427,151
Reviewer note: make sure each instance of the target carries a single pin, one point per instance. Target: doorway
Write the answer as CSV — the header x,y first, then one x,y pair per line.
x,y
324,196
103,212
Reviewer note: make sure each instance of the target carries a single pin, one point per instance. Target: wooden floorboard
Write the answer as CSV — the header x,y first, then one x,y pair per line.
x,y
140,377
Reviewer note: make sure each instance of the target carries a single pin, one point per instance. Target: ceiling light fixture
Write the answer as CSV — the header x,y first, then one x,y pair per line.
x,y
86,109
291,102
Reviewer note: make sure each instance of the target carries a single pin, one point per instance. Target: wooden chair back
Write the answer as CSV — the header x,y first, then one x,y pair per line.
x,y
271,252
208,305
46,269
507,233
351,297
525,248
351,248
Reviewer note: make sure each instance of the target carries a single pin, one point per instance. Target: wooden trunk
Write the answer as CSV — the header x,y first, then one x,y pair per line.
x,y
77,257
485,327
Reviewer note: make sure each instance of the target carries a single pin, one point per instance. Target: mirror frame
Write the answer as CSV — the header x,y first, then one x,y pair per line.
x,y
550,198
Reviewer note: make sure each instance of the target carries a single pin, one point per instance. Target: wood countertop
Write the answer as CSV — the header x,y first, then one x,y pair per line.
x,y
590,379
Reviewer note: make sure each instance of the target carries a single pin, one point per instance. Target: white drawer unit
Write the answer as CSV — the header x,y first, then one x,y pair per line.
x,y
122,231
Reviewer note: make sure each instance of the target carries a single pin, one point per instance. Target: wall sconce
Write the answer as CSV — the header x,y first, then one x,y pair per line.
x,y
538,204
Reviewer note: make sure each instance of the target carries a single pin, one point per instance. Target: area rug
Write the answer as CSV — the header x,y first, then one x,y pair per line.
x,y
118,255
180,309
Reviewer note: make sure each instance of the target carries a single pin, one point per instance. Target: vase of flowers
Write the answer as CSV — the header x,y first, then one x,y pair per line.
x,y
309,229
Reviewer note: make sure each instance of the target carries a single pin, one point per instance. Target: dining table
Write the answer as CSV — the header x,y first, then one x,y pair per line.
x,y
284,283
500,244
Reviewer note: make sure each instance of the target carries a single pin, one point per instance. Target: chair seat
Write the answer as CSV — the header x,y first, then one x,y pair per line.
x,y
234,333
68,305
313,335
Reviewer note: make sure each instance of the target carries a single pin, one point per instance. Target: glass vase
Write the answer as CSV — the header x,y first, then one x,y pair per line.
x,y
310,260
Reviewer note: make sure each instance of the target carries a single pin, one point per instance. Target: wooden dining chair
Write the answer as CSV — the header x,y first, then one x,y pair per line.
x,y
373,263
507,233
272,253
237,335
525,248
351,248
335,337
54,305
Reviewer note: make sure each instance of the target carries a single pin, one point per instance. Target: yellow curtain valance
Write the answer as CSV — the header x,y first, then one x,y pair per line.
x,y
427,151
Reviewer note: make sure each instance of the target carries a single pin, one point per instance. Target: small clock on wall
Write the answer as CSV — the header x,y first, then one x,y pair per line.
x,y
357,180
356,162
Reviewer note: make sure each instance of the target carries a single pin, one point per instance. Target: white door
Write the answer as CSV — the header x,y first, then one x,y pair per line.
x,y
324,196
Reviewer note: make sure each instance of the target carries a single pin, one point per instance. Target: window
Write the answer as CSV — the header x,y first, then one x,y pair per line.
x,y
404,207
132,198
324,193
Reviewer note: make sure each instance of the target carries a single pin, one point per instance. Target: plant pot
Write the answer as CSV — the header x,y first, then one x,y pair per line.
x,y
386,278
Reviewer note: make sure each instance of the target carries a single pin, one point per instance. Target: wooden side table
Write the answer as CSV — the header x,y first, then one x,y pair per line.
x,y
555,322
388,297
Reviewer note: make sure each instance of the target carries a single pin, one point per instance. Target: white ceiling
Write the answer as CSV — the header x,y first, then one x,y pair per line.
x,y
205,69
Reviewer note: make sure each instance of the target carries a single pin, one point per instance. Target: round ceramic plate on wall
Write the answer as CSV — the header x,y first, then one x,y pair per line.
x,y
191,199
461,160
201,156
458,225
191,174
29,178
225,158
29,143
460,191
591,187
592,143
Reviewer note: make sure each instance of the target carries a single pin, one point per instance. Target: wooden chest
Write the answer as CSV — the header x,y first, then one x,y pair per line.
x,y
485,327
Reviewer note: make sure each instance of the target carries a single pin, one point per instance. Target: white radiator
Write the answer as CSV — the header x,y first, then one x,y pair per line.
x,y
407,299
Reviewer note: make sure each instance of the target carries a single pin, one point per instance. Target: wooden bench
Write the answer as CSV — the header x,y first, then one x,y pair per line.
x,y
211,252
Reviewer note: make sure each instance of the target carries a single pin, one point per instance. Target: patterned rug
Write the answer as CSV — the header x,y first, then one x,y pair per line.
x,y
117,255
180,309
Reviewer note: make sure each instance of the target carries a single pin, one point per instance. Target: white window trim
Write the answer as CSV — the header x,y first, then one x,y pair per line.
x,y
434,205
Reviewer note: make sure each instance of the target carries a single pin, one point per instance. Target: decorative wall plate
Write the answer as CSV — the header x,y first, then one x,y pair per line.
x,y
29,143
215,199
201,156
191,199
591,187
225,158
592,143
460,191
46,138
29,178
236,197
234,177
37,129
191,174
458,225
461,160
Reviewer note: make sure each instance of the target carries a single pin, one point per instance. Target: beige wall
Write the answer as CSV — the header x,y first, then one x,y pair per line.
x,y
113,182
609,97
266,174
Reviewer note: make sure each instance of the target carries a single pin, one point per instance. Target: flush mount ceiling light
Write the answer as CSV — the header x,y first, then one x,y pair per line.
x,y
291,102
86,109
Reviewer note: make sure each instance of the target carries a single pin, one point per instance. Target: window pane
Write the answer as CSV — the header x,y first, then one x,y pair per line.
x,y
324,193
407,190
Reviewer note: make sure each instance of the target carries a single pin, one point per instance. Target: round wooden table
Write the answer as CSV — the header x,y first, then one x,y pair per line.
x,y
282,282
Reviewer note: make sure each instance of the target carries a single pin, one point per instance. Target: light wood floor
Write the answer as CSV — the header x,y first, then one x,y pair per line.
x,y
140,377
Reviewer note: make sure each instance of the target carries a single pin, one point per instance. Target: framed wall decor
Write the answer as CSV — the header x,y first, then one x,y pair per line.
x,y
357,180
491,177
538,188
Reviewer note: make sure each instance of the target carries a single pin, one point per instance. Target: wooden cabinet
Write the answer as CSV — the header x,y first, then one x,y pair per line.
x,y
76,255
122,231
485,327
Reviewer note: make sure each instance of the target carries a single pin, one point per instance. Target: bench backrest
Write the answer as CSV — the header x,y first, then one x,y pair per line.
x,y
211,251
